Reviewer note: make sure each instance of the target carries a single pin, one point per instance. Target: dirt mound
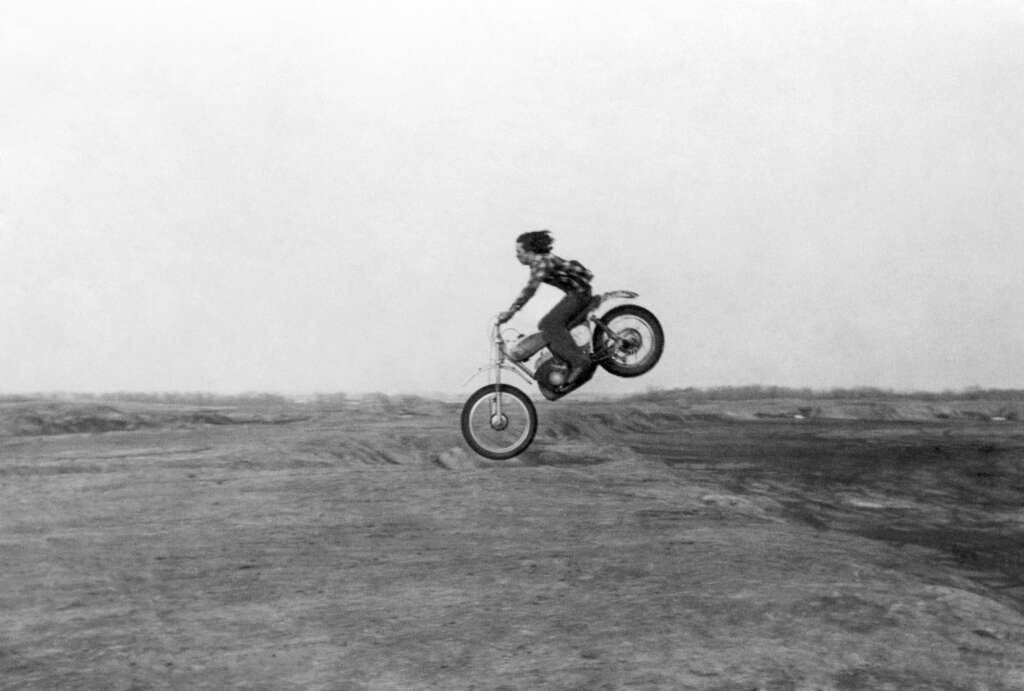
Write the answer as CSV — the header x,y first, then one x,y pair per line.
x,y
633,545
65,418
42,418
633,415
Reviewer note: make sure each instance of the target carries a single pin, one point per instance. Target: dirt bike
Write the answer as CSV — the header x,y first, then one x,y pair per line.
x,y
499,421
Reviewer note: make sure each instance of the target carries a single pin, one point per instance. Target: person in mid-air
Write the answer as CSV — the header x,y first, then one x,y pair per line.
x,y
534,250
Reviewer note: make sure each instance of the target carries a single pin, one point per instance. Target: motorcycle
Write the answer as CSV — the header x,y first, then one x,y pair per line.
x,y
499,421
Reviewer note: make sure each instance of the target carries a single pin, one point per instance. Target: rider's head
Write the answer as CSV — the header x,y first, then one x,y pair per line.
x,y
535,242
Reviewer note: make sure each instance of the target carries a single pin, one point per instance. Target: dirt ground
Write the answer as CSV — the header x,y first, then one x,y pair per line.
x,y
639,546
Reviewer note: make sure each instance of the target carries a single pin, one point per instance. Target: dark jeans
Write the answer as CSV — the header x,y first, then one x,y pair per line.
x,y
553,325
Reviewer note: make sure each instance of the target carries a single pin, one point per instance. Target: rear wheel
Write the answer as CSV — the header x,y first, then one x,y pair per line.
x,y
632,343
499,421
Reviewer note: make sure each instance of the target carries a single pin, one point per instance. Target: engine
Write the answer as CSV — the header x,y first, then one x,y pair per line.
x,y
551,373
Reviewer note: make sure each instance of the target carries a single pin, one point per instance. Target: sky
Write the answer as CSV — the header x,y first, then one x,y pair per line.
x,y
324,196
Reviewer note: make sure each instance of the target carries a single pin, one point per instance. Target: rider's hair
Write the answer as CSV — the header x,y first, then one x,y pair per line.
x,y
537,241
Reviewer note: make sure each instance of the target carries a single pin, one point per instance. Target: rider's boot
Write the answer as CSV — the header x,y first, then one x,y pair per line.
x,y
576,371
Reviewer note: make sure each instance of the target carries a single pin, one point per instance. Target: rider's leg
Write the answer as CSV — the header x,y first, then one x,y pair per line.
x,y
560,341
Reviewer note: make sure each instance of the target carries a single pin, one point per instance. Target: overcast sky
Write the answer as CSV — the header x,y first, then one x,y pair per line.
x,y
324,196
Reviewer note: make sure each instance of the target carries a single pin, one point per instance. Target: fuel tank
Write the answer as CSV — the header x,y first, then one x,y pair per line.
x,y
528,346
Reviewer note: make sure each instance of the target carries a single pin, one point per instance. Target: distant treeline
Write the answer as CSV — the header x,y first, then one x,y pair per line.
x,y
213,400
197,398
759,392
401,402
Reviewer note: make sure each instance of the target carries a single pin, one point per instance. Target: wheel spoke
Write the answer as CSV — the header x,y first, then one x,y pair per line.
x,y
636,340
502,433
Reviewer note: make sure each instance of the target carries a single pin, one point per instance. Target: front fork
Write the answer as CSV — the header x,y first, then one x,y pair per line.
x,y
498,420
498,358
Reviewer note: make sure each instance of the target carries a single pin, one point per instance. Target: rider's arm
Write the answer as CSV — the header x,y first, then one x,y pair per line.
x,y
537,272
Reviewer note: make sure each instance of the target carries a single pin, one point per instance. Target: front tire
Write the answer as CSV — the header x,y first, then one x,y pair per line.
x,y
495,436
637,344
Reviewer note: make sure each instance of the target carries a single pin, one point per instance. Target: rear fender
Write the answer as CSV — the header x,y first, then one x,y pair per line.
x,y
611,295
614,295
624,294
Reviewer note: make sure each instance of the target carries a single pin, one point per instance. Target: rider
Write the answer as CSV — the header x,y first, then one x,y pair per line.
x,y
534,250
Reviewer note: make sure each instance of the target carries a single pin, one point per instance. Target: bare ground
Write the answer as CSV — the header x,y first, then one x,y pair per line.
x,y
648,546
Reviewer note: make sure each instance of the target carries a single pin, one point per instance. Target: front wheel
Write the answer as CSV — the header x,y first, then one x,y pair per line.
x,y
631,344
499,421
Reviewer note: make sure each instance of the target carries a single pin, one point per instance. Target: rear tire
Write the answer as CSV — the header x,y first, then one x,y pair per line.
x,y
493,437
642,341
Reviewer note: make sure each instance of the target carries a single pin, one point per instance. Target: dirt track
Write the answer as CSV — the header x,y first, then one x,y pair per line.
x,y
641,548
